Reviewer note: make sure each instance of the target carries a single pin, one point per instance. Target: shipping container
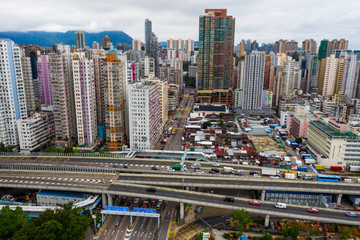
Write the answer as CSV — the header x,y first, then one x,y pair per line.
x,y
320,167
336,168
302,169
354,169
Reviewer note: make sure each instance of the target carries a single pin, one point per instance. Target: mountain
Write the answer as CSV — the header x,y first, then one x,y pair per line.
x,y
47,39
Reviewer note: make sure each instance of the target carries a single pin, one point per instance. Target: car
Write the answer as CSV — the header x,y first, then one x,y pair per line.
x,y
274,177
253,172
212,172
117,222
240,172
256,175
136,200
144,206
154,168
124,198
280,205
153,202
215,164
170,170
225,173
126,166
313,210
33,157
160,201
351,214
116,166
215,170
308,177
257,203
151,189
228,199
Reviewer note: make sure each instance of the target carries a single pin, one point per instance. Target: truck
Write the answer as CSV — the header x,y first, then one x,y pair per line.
x,y
336,168
177,166
228,169
309,160
320,167
290,175
302,169
270,172
354,169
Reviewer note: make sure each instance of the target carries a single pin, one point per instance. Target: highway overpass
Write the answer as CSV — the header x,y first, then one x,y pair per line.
x,y
168,194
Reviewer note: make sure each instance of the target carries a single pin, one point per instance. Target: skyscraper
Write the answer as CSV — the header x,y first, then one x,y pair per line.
x,y
309,45
85,99
28,84
12,93
106,42
112,82
216,47
253,80
136,45
44,80
62,96
98,55
80,39
148,30
330,76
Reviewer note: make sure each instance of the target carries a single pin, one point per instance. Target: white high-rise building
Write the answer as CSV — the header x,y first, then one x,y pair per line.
x,y
351,76
85,99
330,76
289,68
144,114
12,92
147,66
253,80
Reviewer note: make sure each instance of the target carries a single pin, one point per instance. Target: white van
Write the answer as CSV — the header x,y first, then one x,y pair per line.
x,y
280,205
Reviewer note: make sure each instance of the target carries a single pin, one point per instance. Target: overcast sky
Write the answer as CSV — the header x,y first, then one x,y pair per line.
x,y
263,20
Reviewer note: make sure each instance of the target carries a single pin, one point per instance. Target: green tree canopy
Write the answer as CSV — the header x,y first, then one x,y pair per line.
x,y
243,217
11,221
298,140
205,125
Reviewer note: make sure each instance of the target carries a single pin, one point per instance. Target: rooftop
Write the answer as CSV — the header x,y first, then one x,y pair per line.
x,y
331,131
61,194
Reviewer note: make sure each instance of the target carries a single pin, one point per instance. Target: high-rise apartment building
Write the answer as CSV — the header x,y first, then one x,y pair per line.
x,y
309,45
253,80
28,84
144,115
164,91
62,97
44,80
80,39
289,76
147,66
95,45
352,76
285,46
113,101
189,46
97,56
133,72
106,43
136,45
85,99
12,92
330,76
216,47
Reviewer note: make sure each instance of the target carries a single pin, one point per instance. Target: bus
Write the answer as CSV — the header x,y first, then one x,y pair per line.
x,y
328,178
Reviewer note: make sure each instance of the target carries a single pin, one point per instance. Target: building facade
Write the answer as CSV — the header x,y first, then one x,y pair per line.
x,y
28,84
80,39
12,92
44,80
85,99
144,115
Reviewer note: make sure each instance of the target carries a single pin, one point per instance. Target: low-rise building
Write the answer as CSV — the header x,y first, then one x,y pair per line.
x,y
53,198
332,147
33,132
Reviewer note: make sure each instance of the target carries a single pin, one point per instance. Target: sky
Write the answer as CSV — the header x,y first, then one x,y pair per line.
x,y
261,20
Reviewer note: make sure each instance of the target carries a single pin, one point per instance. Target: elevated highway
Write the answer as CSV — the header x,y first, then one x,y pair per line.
x,y
35,181
240,183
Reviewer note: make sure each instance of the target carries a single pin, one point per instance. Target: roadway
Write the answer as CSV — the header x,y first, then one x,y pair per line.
x,y
212,200
183,111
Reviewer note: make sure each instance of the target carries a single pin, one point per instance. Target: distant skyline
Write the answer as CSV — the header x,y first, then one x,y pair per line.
x,y
261,20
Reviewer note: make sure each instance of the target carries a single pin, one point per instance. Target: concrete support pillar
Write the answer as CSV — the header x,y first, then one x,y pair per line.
x,y
267,220
181,211
103,198
338,199
109,200
263,192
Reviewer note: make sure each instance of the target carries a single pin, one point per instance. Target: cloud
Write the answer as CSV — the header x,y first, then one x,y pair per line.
x,y
263,20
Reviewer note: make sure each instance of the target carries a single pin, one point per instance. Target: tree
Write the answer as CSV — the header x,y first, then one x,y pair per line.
x,y
243,217
11,221
205,125
345,233
51,230
298,140
292,232
68,150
